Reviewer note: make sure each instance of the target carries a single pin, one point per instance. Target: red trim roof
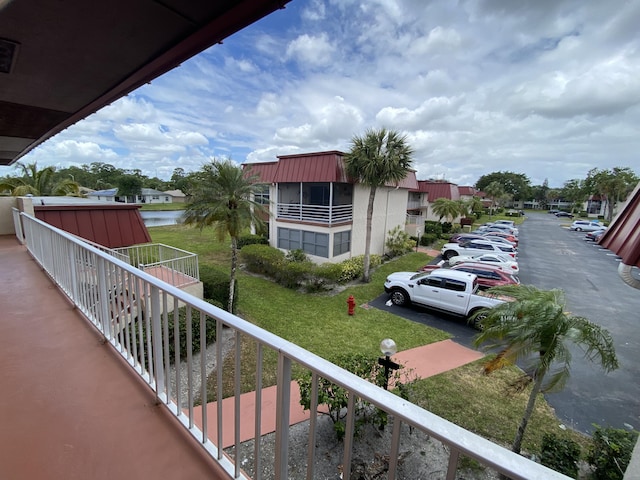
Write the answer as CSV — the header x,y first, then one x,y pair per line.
x,y
311,167
436,190
110,225
470,191
623,235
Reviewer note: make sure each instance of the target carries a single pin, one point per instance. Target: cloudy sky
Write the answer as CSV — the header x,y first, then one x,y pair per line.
x,y
548,88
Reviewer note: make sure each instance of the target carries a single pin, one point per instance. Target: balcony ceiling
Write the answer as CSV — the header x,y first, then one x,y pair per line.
x,y
60,61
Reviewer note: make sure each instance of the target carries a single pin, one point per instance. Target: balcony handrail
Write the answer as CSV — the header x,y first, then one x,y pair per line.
x,y
329,214
176,260
97,282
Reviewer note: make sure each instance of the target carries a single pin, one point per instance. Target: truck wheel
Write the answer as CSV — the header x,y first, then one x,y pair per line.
x,y
450,254
399,297
476,320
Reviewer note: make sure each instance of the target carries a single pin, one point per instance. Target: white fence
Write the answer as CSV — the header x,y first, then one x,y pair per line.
x,y
179,266
132,310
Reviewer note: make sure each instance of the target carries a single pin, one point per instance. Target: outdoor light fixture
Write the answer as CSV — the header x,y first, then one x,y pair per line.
x,y
388,348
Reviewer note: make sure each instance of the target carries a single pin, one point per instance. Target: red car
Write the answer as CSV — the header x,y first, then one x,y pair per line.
x,y
488,275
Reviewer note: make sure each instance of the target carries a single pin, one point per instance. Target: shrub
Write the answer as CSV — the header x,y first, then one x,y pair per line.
x,y
428,239
292,274
261,259
252,240
446,227
560,454
195,332
329,271
399,242
610,452
297,255
215,286
431,226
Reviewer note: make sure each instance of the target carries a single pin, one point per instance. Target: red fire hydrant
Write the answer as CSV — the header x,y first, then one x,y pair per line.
x,y
351,302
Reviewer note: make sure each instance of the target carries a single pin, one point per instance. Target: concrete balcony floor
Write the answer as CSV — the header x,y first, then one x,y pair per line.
x,y
71,407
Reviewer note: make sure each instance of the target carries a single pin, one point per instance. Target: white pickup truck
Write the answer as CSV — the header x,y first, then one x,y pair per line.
x,y
444,289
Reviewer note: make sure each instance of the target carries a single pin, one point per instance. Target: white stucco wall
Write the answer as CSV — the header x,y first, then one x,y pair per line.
x,y
389,211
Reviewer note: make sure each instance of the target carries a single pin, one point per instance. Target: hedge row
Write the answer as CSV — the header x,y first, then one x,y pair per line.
x,y
295,270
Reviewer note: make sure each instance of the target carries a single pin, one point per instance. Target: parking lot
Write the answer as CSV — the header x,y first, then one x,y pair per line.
x,y
552,256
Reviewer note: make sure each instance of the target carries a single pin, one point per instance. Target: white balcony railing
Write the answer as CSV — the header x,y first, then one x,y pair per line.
x,y
130,308
415,220
315,213
176,266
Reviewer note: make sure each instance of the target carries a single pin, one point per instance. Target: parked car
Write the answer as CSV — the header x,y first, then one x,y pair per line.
x,y
488,275
564,214
512,238
510,223
502,228
586,226
463,237
595,235
505,262
475,247
553,211
499,239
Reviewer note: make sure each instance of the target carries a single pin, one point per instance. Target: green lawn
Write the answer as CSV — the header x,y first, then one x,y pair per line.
x,y
320,324
163,206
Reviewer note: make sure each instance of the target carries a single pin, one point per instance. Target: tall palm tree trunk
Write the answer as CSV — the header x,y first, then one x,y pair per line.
x,y
366,277
535,390
232,276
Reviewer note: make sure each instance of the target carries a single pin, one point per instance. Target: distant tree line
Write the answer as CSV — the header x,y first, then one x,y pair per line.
x,y
610,185
30,179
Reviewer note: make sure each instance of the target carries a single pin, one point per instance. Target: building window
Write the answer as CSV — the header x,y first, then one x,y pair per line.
x,y
341,242
313,243
156,197
289,239
261,194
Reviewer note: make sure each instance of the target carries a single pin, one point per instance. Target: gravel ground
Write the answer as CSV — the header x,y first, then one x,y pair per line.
x,y
420,458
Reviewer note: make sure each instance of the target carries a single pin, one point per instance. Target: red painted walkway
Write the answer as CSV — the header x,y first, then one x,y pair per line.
x,y
422,362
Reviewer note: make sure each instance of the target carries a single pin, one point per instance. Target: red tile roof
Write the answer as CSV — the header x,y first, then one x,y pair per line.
x,y
110,225
623,235
435,190
311,167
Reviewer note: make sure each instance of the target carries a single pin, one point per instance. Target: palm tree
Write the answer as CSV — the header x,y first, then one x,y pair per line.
x,y
221,196
376,159
36,181
495,191
445,208
536,323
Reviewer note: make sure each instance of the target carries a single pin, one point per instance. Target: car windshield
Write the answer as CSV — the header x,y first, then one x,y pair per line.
x,y
418,276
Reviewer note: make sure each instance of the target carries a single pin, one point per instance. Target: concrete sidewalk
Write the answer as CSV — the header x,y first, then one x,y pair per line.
x,y
422,362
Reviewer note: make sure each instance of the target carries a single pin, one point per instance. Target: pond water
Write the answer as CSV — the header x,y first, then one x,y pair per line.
x,y
161,218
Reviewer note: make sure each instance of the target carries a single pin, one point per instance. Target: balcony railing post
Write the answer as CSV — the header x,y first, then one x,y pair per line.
x,y
103,297
156,339
283,399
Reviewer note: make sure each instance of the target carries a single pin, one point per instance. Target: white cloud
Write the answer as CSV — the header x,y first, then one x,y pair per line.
x,y
548,88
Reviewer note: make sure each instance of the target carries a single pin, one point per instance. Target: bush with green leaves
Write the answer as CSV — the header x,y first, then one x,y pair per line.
x,y
215,285
210,332
261,259
434,227
399,242
336,398
610,452
293,274
428,239
560,454
245,240
446,227
297,255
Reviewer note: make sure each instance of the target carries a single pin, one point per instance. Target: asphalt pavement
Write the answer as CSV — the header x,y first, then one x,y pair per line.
x,y
552,256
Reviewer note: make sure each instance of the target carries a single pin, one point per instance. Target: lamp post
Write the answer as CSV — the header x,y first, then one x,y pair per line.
x,y
388,347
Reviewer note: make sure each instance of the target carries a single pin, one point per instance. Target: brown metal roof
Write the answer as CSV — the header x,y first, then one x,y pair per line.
x,y
437,190
62,61
110,225
311,167
623,235
266,172
466,190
